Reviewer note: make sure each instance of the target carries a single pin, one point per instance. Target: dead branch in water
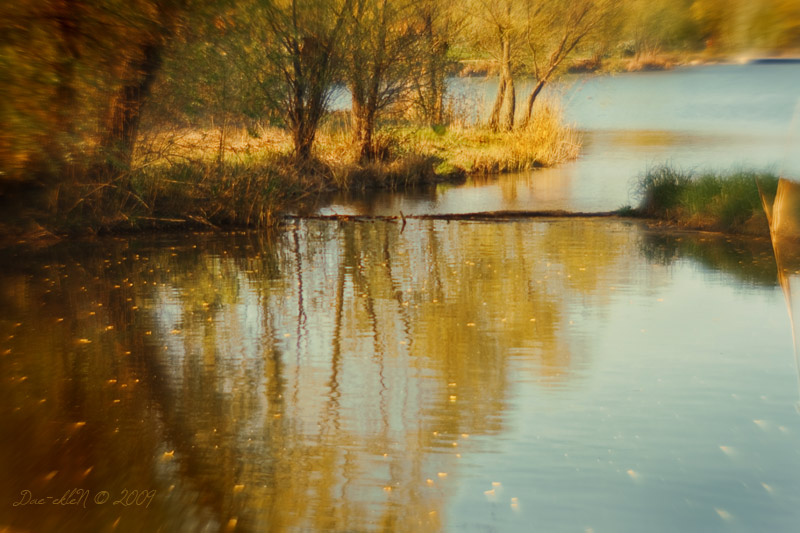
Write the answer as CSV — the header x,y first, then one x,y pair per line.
x,y
483,215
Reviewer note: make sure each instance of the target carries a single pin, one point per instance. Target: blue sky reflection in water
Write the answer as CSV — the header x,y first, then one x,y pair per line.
x,y
548,376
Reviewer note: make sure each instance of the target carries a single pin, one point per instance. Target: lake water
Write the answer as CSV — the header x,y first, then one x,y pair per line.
x,y
573,375
577,375
713,117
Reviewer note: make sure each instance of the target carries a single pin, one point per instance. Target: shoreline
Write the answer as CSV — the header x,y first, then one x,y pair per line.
x,y
166,228
256,180
476,68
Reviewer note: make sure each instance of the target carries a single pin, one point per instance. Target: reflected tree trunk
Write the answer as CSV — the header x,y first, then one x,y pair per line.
x,y
301,312
336,355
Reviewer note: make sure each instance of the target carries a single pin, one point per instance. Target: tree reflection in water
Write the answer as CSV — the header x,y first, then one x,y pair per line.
x,y
323,378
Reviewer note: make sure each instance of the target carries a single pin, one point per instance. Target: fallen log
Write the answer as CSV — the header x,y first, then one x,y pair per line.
x,y
482,215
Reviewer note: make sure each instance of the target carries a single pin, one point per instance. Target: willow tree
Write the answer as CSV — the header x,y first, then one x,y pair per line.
x,y
303,47
553,30
439,25
384,37
495,28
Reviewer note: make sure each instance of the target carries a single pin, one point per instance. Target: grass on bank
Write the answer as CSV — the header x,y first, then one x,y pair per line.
x,y
414,154
250,177
247,178
720,201
192,193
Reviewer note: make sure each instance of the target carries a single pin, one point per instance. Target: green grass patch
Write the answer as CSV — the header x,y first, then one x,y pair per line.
x,y
724,201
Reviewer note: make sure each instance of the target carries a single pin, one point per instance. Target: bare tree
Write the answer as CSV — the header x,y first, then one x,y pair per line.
x,y
439,25
495,29
304,49
553,30
385,39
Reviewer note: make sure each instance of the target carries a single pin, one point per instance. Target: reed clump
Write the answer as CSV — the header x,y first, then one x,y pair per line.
x,y
179,178
723,201
223,194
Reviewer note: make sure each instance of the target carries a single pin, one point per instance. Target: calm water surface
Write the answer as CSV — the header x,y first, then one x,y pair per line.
x,y
567,375
714,117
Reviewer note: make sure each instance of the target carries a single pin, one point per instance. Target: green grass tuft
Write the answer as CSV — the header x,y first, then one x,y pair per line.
x,y
724,201
662,189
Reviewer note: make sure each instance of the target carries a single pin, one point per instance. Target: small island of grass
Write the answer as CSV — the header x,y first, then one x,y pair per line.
x,y
729,202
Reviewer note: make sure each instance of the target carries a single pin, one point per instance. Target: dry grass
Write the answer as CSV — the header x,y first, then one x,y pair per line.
x,y
246,178
649,61
243,194
182,145
212,164
181,177
546,141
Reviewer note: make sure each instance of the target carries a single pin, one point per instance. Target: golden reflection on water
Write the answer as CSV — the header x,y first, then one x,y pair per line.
x,y
647,138
783,214
333,379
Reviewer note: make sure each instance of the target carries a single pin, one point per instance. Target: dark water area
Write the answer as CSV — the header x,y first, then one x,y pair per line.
x,y
562,375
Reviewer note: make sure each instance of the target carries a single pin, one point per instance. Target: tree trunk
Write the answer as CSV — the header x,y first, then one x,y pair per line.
x,y
434,104
510,106
507,120
366,151
303,139
531,99
494,118
123,124
502,116
302,120
357,118
438,109
436,82
363,126
433,84
363,113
